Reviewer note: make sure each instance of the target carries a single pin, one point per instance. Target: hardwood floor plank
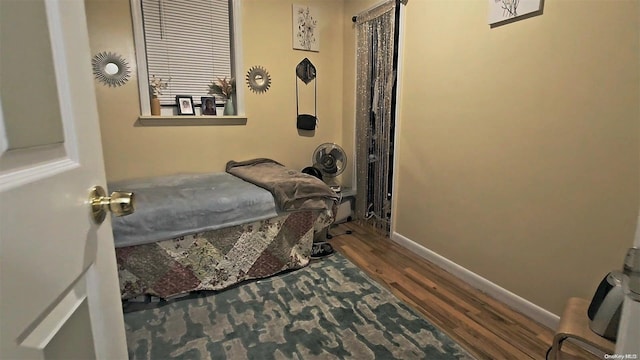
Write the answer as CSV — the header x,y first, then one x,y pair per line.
x,y
516,333
506,348
485,326
460,299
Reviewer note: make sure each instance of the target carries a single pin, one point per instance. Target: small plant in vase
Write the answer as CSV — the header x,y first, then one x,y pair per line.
x,y
156,85
224,88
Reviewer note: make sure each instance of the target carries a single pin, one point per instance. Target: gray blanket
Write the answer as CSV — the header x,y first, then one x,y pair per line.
x,y
291,189
177,205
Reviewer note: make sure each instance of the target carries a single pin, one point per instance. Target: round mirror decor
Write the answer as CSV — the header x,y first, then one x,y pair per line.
x,y
258,79
110,69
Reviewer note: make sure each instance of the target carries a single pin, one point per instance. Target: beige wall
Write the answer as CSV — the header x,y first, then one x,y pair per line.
x,y
518,145
138,151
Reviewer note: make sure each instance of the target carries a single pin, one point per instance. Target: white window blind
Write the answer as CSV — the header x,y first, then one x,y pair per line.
x,y
188,41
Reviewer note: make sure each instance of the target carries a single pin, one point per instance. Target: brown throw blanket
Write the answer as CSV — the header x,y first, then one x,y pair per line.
x,y
291,189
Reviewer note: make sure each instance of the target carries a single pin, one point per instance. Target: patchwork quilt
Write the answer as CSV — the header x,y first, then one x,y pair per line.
x,y
216,259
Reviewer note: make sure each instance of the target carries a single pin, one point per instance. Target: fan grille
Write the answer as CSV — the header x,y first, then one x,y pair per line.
x,y
330,159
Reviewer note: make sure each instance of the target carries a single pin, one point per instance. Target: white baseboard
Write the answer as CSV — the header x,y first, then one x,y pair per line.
x,y
512,300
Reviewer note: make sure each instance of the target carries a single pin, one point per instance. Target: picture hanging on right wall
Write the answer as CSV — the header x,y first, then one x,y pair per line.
x,y
502,10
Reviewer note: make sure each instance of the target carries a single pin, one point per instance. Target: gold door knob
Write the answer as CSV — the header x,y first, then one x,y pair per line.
x,y
120,203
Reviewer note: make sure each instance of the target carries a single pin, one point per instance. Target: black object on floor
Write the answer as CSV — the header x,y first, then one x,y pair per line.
x,y
330,236
320,250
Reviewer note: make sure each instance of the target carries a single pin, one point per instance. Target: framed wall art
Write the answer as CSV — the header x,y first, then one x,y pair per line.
x,y
306,34
502,10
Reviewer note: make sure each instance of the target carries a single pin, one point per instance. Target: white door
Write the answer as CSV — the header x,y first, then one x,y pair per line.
x,y
59,295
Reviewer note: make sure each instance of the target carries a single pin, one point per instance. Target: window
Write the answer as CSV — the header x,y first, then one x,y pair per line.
x,y
191,42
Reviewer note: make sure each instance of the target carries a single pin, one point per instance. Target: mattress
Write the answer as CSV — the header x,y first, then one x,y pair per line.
x,y
171,206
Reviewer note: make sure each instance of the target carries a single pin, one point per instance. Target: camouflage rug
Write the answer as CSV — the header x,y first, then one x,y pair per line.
x,y
327,310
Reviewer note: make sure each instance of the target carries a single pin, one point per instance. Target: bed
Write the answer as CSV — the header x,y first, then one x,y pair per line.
x,y
195,232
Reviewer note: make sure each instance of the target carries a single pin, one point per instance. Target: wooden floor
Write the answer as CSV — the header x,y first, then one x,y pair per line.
x,y
484,326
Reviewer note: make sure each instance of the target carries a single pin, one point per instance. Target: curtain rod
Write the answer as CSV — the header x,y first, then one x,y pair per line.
x,y
398,2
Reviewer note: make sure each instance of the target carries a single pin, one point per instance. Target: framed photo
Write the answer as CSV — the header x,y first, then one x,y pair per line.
x,y
208,106
185,105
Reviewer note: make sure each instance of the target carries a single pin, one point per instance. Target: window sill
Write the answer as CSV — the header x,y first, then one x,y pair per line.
x,y
186,120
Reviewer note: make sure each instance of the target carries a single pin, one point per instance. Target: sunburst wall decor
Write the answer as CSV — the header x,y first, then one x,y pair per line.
x,y
110,69
258,79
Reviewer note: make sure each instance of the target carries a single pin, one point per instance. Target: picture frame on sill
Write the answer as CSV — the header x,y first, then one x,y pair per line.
x,y
185,105
208,105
